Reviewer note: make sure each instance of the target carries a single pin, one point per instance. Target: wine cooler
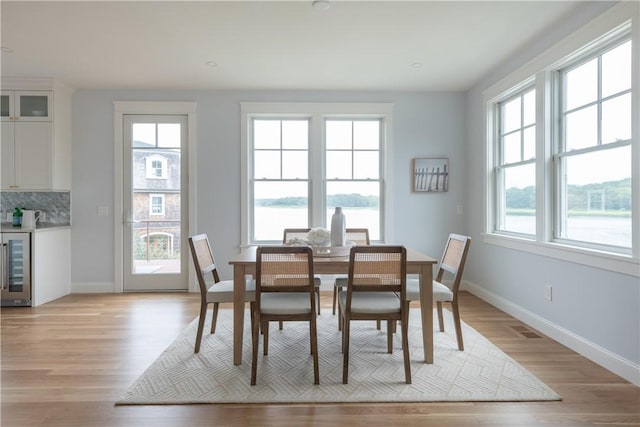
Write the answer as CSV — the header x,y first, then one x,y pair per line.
x,y
15,269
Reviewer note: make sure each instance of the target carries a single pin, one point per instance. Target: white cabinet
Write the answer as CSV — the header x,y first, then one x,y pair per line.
x,y
26,155
35,146
26,105
51,264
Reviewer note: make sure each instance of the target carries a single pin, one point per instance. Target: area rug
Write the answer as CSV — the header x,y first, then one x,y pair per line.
x,y
480,373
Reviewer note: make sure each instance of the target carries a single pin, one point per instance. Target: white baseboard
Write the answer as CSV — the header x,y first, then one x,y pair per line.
x,y
603,357
93,288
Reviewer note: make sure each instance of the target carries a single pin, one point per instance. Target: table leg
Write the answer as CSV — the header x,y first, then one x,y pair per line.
x,y
238,312
426,310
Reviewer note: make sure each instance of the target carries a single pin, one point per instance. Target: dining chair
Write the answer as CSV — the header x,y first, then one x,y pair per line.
x,y
213,291
452,263
376,287
359,236
284,292
300,234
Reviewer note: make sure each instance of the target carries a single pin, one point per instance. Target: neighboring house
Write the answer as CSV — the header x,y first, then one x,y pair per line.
x,y
156,186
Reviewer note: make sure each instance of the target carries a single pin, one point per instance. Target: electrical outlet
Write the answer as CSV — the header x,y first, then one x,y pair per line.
x,y
548,292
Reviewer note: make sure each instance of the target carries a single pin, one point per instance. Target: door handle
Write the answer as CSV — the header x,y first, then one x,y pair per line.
x,y
127,218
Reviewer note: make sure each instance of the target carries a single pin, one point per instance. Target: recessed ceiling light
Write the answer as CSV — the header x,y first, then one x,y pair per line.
x,y
417,65
6,49
320,4
212,63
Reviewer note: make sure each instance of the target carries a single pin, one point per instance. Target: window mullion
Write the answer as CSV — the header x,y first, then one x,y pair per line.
x,y
317,184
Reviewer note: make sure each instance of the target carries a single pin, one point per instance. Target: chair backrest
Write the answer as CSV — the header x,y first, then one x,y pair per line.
x,y
284,269
359,236
294,234
454,258
377,268
203,260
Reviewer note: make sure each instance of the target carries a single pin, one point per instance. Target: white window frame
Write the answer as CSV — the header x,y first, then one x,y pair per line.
x,y
162,205
560,152
601,30
316,113
498,152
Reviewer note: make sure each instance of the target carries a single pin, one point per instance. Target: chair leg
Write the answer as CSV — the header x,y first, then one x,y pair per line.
x,y
378,325
405,344
390,331
345,350
251,311
440,319
336,289
280,323
265,337
255,333
313,332
456,321
214,317
318,299
203,314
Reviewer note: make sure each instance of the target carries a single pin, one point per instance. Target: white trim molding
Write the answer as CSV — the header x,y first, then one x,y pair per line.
x,y
148,107
618,365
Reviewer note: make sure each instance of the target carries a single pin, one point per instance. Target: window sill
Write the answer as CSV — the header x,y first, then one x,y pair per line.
x,y
604,260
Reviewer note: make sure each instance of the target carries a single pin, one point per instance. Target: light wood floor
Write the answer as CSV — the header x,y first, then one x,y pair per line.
x,y
66,362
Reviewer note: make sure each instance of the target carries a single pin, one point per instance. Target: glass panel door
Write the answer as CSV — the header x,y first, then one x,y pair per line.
x,y
155,170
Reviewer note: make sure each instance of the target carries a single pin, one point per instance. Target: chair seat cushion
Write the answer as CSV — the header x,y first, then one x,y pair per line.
x,y
440,291
223,291
341,282
285,303
372,302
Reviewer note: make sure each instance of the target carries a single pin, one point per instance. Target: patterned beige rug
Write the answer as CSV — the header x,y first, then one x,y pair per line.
x,y
480,373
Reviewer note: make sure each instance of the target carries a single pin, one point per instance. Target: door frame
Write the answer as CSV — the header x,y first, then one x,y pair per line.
x,y
122,108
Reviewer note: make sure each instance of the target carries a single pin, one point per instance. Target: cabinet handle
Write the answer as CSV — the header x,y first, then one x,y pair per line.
x,y
3,265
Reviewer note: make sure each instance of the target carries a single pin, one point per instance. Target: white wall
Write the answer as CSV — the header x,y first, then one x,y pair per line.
x,y
424,125
593,311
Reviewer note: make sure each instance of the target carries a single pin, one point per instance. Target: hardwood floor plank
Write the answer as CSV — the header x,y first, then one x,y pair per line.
x,y
64,364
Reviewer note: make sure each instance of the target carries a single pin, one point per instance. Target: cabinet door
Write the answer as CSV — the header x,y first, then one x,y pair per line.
x,y
34,106
7,155
34,154
6,105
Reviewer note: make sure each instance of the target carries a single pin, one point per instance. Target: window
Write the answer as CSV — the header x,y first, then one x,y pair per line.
x,y
156,204
561,140
280,176
593,156
353,171
156,167
303,160
515,171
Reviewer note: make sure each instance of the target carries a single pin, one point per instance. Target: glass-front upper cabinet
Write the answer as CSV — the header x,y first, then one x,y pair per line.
x,y
26,105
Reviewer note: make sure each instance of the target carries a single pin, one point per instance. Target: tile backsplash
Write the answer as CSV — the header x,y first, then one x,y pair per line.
x,y
56,205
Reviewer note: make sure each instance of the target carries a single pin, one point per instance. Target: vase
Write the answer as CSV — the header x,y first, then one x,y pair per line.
x,y
338,228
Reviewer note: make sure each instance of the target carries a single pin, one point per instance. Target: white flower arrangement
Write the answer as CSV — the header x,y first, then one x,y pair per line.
x,y
319,237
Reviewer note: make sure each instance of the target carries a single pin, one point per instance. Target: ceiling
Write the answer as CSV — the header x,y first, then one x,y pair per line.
x,y
352,45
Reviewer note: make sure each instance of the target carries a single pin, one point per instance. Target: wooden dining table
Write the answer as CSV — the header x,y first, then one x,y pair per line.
x,y
417,263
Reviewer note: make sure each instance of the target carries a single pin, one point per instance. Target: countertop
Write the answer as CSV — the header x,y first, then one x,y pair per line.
x,y
7,227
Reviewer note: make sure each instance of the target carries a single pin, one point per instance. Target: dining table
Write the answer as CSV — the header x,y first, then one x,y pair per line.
x,y
244,264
